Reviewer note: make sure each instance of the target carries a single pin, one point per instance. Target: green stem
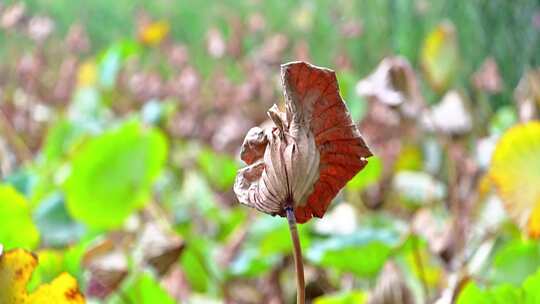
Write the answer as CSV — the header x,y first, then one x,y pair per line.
x,y
298,262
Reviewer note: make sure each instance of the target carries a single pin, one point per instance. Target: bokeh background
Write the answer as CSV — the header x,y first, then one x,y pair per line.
x,y
121,123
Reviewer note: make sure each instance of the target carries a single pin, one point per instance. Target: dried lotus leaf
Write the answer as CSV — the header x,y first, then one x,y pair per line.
x,y
313,150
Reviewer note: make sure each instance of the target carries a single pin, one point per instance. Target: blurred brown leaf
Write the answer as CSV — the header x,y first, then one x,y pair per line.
x,y
256,22
487,78
177,55
77,40
12,15
186,85
391,287
352,29
527,95
229,135
450,115
67,79
29,70
107,264
236,38
393,83
437,231
159,249
146,85
272,49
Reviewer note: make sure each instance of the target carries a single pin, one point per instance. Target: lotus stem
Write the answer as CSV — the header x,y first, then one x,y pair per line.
x,y
298,262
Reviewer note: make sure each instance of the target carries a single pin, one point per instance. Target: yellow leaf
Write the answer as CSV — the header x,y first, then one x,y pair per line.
x,y
87,75
515,171
484,187
154,33
439,56
533,225
16,267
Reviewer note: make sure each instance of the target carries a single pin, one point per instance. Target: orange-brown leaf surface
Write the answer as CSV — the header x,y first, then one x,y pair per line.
x,y
16,267
313,150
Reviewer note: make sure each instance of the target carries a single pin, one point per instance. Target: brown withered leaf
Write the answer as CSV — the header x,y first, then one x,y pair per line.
x,y
272,49
487,78
77,40
311,152
391,287
527,95
379,87
236,39
66,81
177,55
256,22
160,249
12,15
107,265
393,83
451,115
437,232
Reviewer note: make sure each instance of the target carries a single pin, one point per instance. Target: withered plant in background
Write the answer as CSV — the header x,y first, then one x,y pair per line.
x,y
298,166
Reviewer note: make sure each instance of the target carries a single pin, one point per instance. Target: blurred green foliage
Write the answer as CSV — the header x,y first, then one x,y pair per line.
x,y
112,174
16,217
498,28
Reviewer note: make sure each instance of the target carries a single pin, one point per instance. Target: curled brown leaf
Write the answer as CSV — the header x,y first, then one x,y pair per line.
x,y
311,152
